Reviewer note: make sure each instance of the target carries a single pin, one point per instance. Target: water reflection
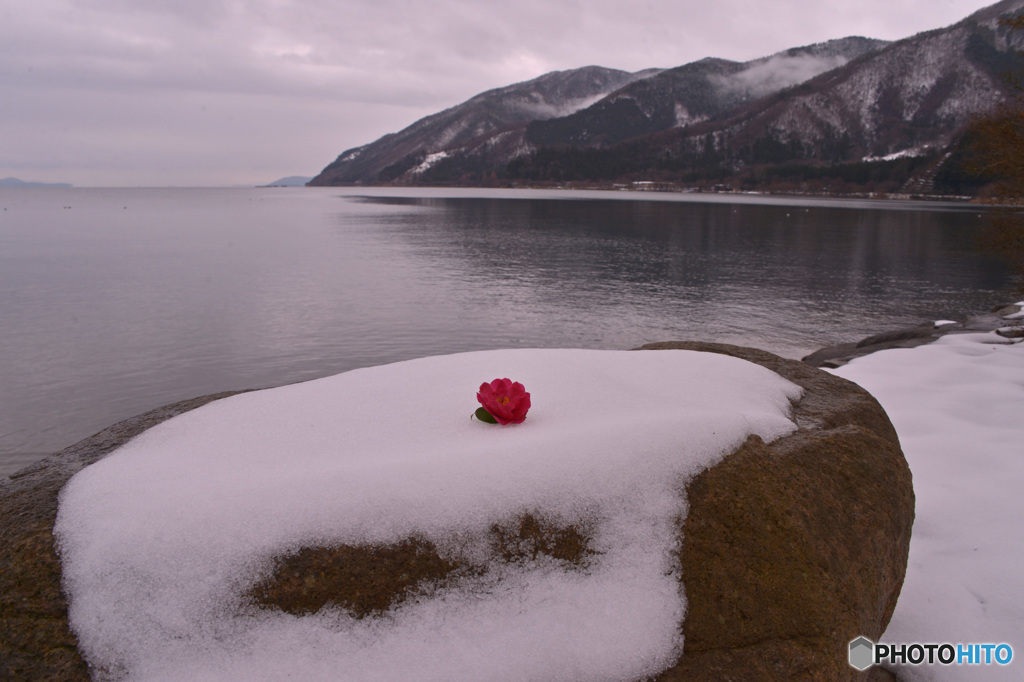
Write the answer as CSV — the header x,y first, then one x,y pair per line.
x,y
788,278
1004,236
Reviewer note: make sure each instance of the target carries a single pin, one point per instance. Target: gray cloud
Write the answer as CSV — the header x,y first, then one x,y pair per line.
x,y
242,91
778,72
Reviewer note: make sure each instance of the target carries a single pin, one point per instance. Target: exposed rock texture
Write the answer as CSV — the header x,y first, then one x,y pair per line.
x,y
999,320
790,550
367,581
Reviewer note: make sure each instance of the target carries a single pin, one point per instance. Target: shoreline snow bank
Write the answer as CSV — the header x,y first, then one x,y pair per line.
x,y
160,539
957,405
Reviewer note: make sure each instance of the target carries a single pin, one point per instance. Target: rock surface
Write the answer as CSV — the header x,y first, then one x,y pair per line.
x,y
996,320
795,548
790,549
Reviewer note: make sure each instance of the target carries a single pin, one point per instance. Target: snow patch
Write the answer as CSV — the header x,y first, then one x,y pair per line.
x,y
160,540
429,161
352,154
957,404
904,154
1017,315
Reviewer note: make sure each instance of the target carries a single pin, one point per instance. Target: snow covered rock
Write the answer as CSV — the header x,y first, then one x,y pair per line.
x,y
36,642
788,550
1004,319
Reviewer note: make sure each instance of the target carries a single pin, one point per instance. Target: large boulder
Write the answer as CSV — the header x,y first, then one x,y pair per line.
x,y
790,549
794,548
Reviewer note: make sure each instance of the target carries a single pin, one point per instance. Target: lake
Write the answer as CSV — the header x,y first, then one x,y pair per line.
x,y
116,301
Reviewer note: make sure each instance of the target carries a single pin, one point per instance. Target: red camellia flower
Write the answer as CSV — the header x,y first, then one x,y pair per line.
x,y
505,400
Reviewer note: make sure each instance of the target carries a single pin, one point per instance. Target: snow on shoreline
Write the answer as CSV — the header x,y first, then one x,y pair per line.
x,y
958,407
160,539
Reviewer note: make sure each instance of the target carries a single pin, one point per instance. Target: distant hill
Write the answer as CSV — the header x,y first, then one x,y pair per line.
x,y
15,182
496,118
693,93
290,181
853,112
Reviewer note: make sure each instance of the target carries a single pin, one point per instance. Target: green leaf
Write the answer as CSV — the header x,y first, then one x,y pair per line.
x,y
485,416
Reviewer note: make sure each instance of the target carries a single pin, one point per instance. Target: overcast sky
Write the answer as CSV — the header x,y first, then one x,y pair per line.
x,y
228,92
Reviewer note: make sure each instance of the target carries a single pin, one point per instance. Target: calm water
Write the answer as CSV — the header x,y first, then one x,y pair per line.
x,y
113,302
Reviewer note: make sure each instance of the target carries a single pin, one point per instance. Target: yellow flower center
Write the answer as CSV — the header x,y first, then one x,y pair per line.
x,y
503,400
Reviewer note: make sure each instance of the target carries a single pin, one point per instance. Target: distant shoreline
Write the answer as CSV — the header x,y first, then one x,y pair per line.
x,y
855,196
15,182
670,188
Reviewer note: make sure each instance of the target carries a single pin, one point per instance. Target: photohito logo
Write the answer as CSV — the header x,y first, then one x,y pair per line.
x,y
864,653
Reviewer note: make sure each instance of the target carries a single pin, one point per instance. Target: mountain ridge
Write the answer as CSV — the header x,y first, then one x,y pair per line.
x,y
488,114
842,102
17,182
696,92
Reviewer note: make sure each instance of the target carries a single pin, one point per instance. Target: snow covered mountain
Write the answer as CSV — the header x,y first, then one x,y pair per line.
x,y
486,116
907,97
839,102
693,93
